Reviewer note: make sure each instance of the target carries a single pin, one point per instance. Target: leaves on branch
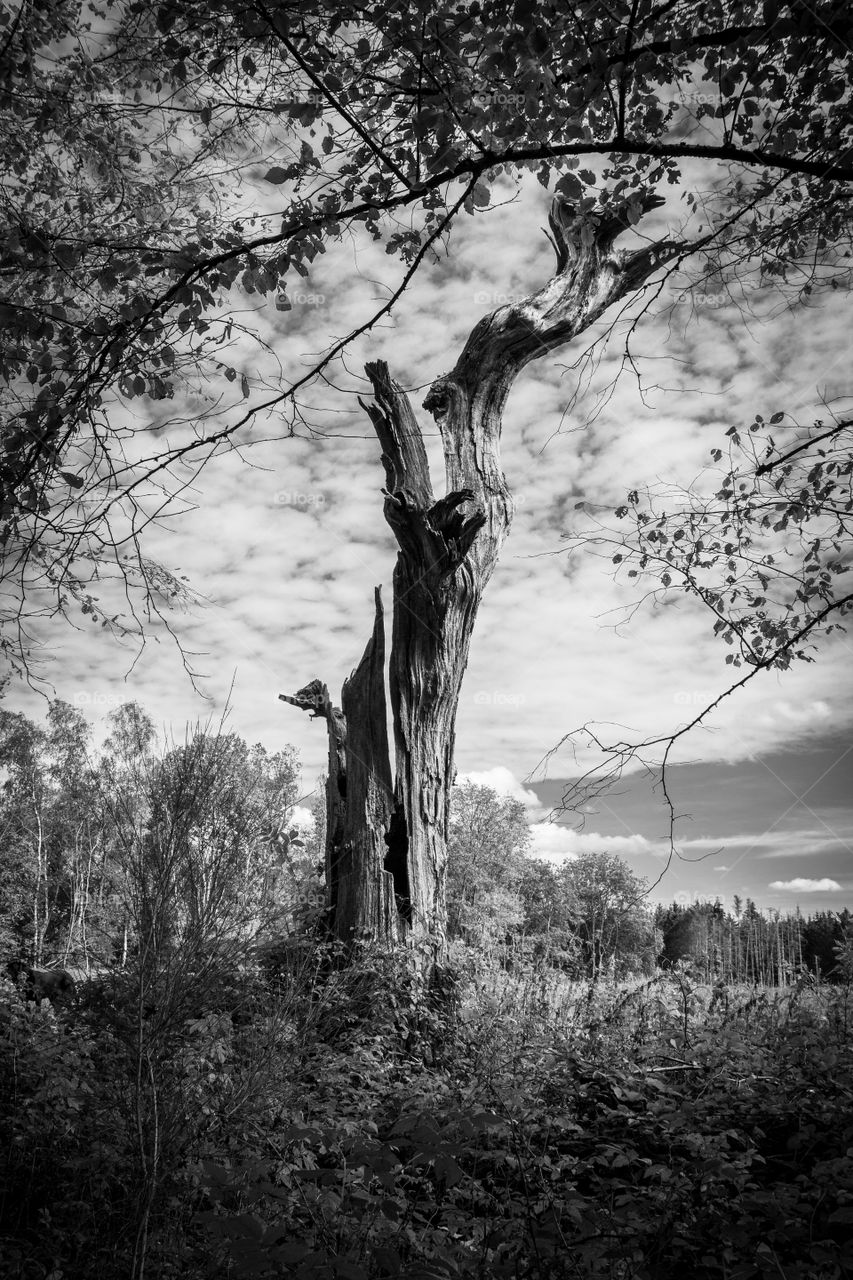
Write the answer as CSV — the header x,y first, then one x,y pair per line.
x,y
769,552
122,239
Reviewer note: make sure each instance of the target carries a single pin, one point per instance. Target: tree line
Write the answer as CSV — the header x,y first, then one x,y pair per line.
x,y
144,846
145,851
591,916
754,947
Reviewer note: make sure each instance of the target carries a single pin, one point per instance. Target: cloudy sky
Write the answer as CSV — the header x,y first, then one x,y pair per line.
x,y
287,541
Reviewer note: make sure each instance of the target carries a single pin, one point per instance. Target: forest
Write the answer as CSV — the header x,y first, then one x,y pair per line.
x,y
348,254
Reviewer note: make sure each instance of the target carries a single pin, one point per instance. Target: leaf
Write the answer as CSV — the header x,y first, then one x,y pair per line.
x,y
246,1224
292,1251
486,1120
842,1215
276,175
447,1169
244,386
75,481
570,186
388,1259
348,1270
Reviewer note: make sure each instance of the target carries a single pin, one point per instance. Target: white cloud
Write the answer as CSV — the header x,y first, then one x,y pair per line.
x,y
290,550
551,842
775,843
802,885
554,840
556,843
503,781
790,844
303,817
794,713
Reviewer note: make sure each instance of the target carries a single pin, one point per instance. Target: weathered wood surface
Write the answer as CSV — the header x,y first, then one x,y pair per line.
x,y
387,829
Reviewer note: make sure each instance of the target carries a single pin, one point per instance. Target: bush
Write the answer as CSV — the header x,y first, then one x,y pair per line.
x,y
364,1123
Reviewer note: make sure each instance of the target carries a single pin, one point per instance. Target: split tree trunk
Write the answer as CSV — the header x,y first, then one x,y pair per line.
x,y
386,836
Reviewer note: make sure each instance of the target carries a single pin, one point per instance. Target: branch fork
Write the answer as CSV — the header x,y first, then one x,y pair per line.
x,y
386,844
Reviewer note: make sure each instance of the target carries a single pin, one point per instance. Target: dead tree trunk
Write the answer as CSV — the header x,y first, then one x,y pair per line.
x,y
386,837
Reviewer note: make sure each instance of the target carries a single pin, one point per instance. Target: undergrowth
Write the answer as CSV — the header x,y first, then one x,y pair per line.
x,y
356,1123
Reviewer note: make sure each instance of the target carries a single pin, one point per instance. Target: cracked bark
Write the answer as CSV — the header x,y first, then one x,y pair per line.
x,y
387,833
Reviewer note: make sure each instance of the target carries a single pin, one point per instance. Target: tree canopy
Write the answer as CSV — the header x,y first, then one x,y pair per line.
x,y
165,160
